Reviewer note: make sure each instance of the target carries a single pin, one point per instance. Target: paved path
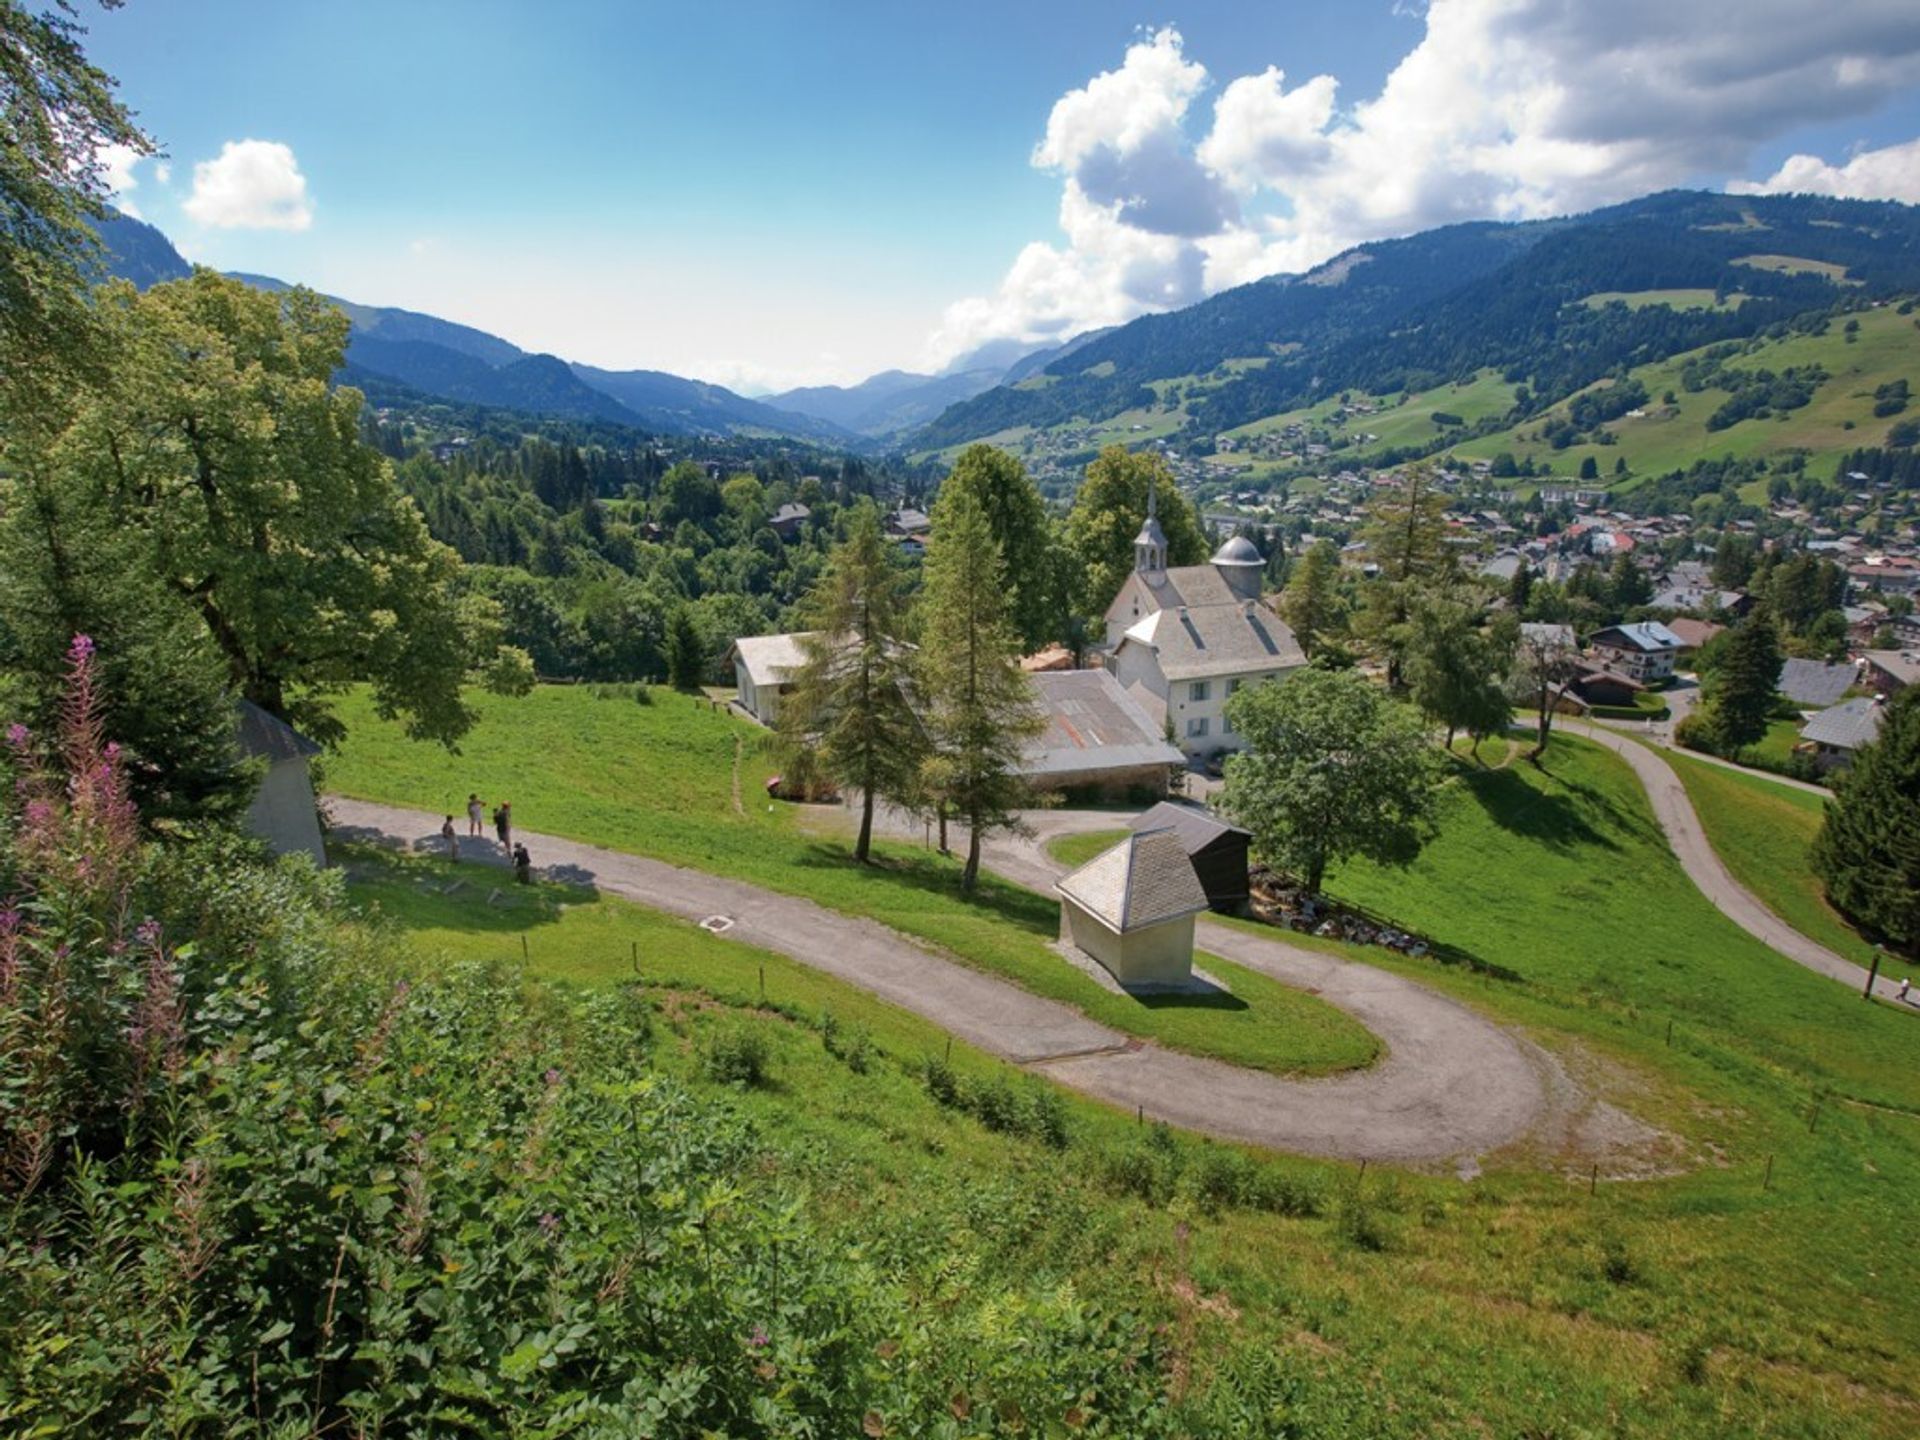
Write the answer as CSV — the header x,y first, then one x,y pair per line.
x,y
1452,1086
1704,867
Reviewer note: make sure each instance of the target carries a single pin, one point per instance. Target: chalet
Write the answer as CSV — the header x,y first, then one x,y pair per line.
x,y
1218,852
1836,733
909,524
1132,909
1693,634
284,813
1183,640
1888,671
763,669
1645,650
1814,684
787,521
1597,685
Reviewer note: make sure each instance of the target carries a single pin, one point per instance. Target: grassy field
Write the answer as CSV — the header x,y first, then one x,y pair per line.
x,y
1675,299
660,780
1078,849
1762,831
1400,421
1705,1303
1672,437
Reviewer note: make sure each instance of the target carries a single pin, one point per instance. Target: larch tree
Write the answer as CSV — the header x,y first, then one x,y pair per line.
x,y
1406,529
1334,768
977,704
1308,603
1867,853
1106,515
848,711
1017,516
217,438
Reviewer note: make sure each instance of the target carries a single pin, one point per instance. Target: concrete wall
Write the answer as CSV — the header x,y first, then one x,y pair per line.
x,y
1185,710
1158,955
283,812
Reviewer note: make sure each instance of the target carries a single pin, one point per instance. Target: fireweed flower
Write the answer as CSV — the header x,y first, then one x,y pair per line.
x,y
759,1339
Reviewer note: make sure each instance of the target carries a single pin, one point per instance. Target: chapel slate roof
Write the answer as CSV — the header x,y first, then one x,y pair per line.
x,y
266,736
1847,726
1143,881
1815,684
1218,639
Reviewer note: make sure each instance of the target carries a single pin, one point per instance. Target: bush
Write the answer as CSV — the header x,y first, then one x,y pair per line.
x,y
737,1055
853,1047
1032,1110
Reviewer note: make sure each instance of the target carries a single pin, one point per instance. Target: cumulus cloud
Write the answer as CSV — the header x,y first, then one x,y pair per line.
x,y
1504,109
250,185
117,164
1889,174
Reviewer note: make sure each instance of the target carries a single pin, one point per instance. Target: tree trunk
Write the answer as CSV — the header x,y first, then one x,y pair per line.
x,y
1316,872
864,844
970,876
943,827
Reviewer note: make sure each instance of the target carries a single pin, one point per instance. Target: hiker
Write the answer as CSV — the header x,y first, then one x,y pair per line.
x,y
500,823
475,812
522,865
453,841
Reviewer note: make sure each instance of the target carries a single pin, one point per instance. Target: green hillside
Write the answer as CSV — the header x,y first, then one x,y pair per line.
x,y
1667,436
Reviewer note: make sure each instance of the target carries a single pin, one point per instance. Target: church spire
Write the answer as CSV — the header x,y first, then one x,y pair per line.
x,y
1150,545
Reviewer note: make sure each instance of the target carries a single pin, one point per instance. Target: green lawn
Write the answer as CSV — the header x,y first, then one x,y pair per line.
x,y
658,780
1078,849
1700,1304
1673,299
1762,831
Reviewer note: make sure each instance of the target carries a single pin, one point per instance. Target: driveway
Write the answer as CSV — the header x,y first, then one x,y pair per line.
x,y
1452,1086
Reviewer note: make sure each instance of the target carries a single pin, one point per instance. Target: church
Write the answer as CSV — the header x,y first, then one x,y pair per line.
x,y
1181,640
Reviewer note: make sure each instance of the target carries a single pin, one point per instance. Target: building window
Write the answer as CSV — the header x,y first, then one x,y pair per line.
x,y
1199,690
1233,687
1226,725
1197,729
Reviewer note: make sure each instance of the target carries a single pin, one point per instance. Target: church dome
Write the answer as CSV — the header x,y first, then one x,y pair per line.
x,y
1238,551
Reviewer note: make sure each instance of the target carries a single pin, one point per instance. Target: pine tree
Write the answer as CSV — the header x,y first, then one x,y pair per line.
x,y
1745,682
1308,600
686,660
1520,588
848,706
976,702
1868,850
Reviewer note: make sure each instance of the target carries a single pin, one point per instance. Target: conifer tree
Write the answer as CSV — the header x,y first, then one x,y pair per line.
x,y
977,703
1520,589
1744,683
1308,601
1406,529
848,706
686,663
1868,850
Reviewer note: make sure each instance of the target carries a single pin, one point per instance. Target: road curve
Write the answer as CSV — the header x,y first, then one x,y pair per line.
x,y
1703,865
1452,1085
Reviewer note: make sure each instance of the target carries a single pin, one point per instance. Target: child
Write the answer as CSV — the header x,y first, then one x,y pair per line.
x,y
522,865
500,823
474,813
453,841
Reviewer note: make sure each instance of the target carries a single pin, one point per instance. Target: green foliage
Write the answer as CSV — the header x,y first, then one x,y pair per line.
x,y
1406,529
1743,683
975,702
848,703
1031,1108
1335,769
1107,514
1309,603
1457,668
1868,851
738,1055
686,662
1017,516
216,440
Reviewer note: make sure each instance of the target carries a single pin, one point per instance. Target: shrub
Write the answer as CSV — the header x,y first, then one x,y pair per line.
x,y
737,1054
853,1047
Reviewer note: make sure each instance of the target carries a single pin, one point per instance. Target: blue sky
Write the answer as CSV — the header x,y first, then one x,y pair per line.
x,y
765,194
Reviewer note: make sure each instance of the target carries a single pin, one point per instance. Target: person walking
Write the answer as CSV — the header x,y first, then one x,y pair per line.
x,y
500,824
1905,986
476,812
522,865
506,823
453,840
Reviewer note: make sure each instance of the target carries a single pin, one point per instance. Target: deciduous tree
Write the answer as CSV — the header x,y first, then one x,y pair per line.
x,y
1017,517
1335,769
1106,516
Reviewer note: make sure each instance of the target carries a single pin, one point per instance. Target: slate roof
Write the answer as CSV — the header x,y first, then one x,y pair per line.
x,y
1218,639
1143,881
1815,684
791,513
771,659
1092,724
1847,726
1646,635
1189,585
1694,633
268,737
1197,829
1902,665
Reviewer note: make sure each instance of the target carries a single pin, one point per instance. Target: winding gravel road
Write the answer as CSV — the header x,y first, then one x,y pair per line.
x,y
1452,1086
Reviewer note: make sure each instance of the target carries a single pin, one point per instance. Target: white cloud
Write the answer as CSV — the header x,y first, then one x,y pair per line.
x,y
250,185
1892,173
1504,109
116,164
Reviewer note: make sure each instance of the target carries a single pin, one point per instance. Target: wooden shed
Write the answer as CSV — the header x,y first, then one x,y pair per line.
x,y
1218,851
1131,908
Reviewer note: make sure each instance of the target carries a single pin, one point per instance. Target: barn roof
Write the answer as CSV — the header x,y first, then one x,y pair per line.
x,y
1197,829
1143,881
1092,724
